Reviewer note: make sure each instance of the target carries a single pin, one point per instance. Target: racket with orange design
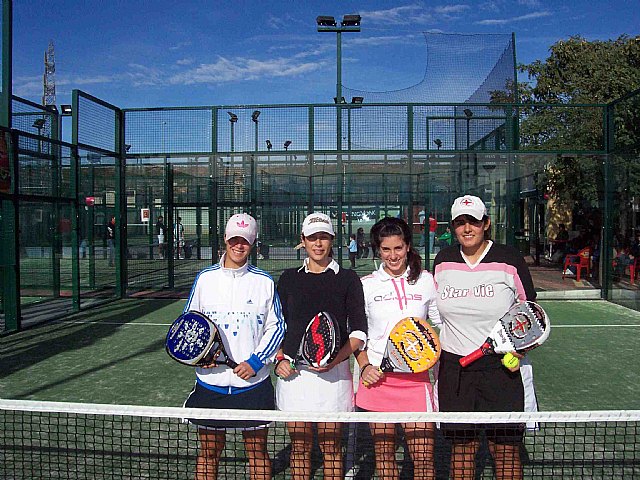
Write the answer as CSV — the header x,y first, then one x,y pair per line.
x,y
413,346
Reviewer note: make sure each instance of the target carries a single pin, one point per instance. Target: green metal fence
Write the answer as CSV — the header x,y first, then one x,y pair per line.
x,y
278,162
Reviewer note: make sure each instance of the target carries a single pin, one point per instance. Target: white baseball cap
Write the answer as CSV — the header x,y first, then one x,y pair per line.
x,y
468,205
242,225
317,222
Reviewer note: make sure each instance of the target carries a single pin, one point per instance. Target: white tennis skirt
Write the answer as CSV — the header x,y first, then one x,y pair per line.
x,y
309,391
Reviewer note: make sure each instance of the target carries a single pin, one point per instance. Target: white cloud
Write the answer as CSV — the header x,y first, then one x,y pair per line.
x,y
449,9
504,21
239,69
404,15
184,61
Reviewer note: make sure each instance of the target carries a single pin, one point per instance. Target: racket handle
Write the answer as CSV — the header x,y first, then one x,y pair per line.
x,y
230,363
472,357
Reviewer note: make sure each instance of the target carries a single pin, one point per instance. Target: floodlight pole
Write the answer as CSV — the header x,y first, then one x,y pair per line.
x,y
349,23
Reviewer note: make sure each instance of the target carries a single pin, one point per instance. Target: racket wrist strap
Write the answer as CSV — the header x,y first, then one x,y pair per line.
x,y
363,368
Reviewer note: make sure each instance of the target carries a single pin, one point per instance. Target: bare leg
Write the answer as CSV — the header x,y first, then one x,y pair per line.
x,y
211,446
330,440
463,460
420,439
384,441
255,444
301,435
507,460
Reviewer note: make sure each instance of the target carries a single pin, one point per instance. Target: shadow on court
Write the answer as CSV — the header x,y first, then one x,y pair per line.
x,y
39,345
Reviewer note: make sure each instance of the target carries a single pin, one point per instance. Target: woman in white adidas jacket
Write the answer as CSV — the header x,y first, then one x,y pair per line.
x,y
242,301
398,289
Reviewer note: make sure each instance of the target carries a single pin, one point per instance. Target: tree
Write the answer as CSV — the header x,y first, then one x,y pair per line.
x,y
578,71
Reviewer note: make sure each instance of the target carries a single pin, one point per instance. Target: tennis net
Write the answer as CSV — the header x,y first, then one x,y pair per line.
x,y
51,440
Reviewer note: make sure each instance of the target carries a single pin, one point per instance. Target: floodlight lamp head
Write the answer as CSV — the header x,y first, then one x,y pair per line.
x,y
269,145
233,118
342,100
127,147
52,109
66,109
39,123
351,21
255,115
287,144
357,99
438,143
326,21
468,113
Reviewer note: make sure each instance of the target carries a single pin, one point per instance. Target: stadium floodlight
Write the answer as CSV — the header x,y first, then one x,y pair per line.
x,y
351,21
255,115
66,110
269,145
127,147
52,108
325,21
438,143
233,118
357,99
468,113
342,100
39,124
287,144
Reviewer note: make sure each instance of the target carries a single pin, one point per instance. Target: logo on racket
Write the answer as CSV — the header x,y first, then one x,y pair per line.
x,y
519,326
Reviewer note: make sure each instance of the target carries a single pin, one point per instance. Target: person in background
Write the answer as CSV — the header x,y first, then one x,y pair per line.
x,y
478,281
161,232
319,285
242,301
178,237
433,226
445,239
363,248
111,240
399,288
353,250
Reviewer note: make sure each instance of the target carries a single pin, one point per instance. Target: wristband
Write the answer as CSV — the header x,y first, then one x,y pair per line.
x,y
362,369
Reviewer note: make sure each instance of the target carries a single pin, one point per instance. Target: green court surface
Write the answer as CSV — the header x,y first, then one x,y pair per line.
x,y
115,354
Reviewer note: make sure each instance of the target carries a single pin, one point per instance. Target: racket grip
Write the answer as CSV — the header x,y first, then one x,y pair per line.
x,y
230,363
472,357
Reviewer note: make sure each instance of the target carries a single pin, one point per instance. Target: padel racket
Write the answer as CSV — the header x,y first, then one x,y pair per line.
x,y
320,343
195,340
523,327
413,346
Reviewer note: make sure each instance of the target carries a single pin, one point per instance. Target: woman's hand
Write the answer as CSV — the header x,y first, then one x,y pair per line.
x,y
284,369
370,375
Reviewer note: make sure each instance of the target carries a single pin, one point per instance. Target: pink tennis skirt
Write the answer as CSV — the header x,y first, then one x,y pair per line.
x,y
399,392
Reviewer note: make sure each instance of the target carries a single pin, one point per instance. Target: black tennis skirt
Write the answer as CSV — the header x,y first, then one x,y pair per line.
x,y
260,397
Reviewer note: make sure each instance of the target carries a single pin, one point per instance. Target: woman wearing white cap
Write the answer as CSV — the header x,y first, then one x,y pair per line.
x,y
478,281
319,285
242,301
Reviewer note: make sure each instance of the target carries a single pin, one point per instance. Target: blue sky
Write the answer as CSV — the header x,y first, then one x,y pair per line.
x,y
149,53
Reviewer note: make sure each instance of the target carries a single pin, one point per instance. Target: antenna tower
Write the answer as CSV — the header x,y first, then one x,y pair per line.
x,y
49,77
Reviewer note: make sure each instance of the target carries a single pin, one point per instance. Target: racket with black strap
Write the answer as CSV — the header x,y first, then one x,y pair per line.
x,y
524,327
195,340
320,343
413,346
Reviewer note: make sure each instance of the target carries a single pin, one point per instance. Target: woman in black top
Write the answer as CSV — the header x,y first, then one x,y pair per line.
x,y
320,285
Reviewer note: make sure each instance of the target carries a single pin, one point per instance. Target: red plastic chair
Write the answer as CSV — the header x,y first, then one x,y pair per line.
x,y
580,260
633,268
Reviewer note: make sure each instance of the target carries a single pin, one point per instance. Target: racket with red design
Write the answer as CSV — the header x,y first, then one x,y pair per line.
x,y
524,327
320,343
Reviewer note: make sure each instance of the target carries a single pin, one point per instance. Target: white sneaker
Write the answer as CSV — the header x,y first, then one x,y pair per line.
x,y
568,272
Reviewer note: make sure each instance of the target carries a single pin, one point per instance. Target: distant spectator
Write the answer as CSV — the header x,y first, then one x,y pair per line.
x,y
161,232
111,238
